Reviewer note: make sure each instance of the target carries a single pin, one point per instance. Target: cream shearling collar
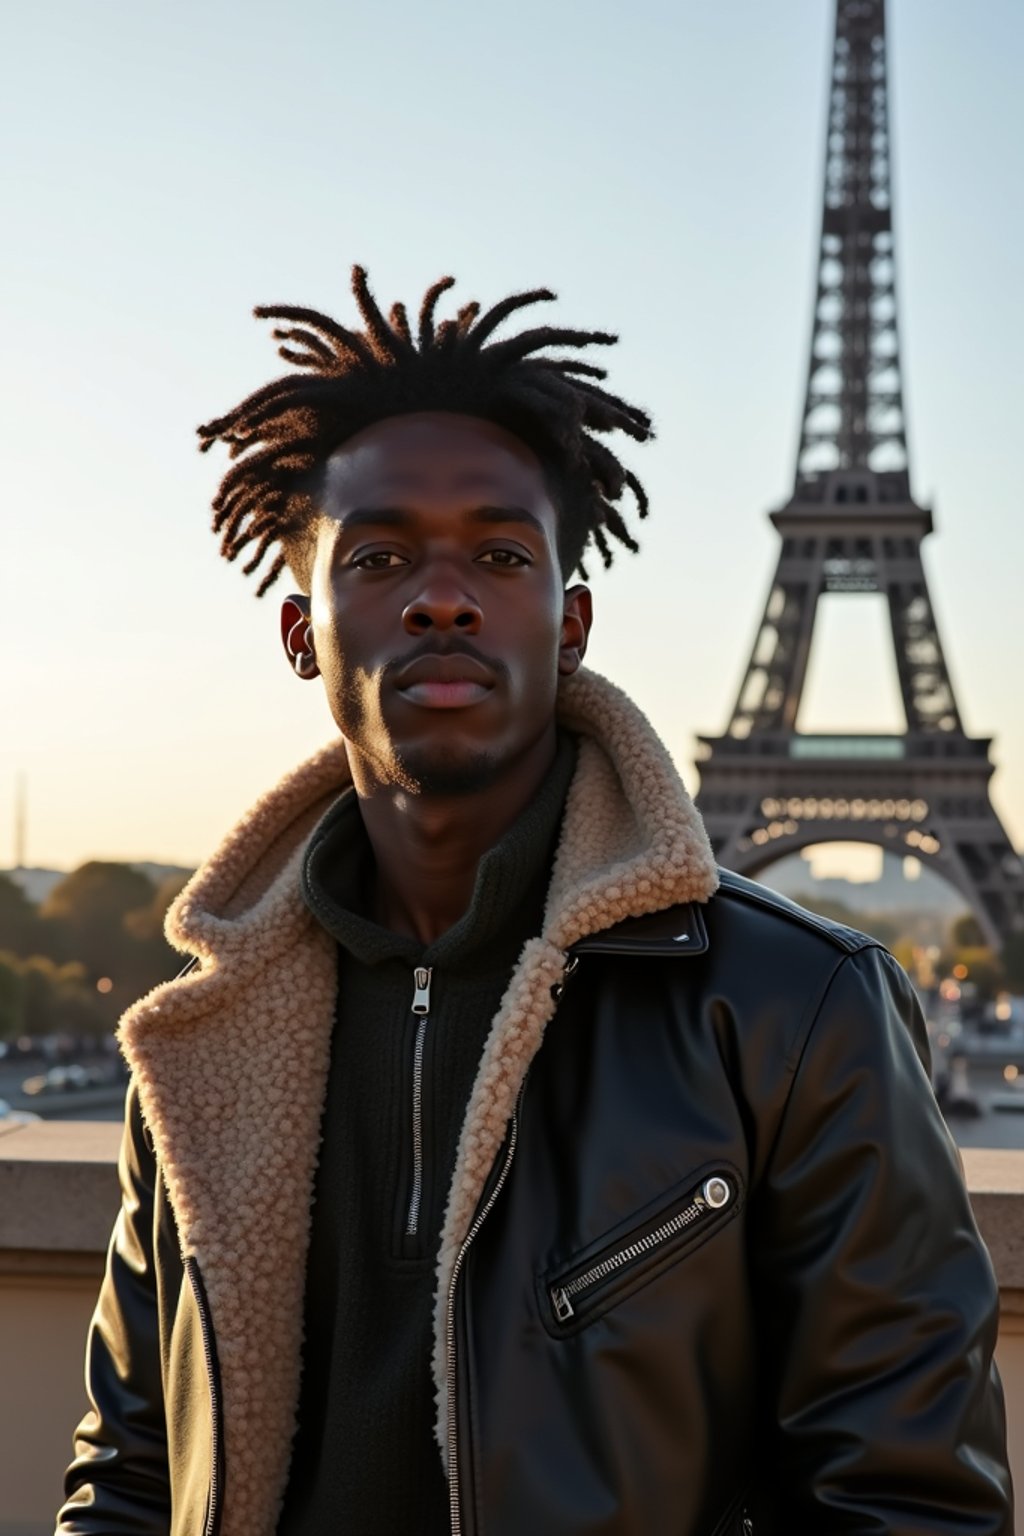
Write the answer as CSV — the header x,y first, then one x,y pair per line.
x,y
231,1060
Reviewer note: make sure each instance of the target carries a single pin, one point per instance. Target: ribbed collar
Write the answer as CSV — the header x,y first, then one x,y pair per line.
x,y
508,896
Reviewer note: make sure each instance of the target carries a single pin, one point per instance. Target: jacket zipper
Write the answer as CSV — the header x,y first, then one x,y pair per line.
x,y
451,1359
213,1376
714,1194
450,1353
421,1010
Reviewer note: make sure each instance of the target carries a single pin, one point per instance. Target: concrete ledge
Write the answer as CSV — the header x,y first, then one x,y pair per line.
x,y
59,1195
58,1187
44,1266
995,1180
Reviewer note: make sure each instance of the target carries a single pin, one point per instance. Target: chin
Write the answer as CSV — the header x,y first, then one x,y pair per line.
x,y
448,770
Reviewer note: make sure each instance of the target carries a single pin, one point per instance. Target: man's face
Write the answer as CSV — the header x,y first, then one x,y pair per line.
x,y
438,611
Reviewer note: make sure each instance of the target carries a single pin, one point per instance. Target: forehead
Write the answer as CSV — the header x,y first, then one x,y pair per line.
x,y
436,458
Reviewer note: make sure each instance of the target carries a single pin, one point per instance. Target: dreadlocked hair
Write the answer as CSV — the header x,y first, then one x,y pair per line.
x,y
281,436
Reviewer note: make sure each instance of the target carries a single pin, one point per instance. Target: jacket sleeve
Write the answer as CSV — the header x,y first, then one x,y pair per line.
x,y
118,1481
878,1306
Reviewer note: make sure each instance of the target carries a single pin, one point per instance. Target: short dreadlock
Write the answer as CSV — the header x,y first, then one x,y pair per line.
x,y
282,435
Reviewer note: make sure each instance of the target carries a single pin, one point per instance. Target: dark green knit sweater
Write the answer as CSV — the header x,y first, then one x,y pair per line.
x,y
365,1462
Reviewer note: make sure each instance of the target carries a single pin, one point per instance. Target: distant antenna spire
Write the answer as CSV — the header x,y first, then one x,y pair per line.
x,y
19,822
853,415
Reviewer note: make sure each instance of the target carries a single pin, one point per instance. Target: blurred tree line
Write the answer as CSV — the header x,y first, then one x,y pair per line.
x,y
72,964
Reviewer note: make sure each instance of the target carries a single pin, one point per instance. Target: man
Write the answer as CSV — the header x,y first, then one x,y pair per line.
x,y
499,1165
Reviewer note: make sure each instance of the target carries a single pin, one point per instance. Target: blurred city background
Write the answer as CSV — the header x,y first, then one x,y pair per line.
x,y
662,167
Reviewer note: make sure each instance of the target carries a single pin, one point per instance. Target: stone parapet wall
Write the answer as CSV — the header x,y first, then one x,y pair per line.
x,y
58,1200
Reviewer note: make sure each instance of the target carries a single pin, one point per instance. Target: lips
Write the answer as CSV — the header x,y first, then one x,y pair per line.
x,y
451,681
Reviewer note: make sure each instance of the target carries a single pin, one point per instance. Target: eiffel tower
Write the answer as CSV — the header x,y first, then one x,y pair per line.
x,y
852,526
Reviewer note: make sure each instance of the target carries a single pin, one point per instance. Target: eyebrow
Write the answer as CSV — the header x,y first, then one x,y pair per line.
x,y
398,517
507,515
379,517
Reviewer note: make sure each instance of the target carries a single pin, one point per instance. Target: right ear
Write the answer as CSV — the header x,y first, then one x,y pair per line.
x,y
297,637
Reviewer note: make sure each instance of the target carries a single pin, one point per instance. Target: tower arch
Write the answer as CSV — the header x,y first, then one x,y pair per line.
x,y
852,526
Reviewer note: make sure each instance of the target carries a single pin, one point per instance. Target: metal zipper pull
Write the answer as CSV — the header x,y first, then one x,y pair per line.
x,y
571,962
421,996
562,1305
715,1192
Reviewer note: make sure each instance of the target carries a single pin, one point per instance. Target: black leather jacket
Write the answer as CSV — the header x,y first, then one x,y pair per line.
x,y
724,1276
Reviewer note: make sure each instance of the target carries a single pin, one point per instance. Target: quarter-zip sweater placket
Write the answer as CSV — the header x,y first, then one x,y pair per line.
x,y
410,1028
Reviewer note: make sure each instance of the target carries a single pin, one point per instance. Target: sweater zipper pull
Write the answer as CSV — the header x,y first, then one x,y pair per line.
x,y
421,1012
421,994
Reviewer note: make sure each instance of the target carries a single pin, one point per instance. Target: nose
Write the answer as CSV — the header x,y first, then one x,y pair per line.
x,y
442,606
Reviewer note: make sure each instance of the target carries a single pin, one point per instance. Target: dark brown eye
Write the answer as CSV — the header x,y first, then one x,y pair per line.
x,y
506,557
378,560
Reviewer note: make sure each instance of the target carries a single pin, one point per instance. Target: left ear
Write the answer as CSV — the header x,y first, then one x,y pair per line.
x,y
577,617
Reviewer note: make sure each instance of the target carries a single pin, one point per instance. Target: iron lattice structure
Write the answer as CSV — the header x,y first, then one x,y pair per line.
x,y
853,408
852,526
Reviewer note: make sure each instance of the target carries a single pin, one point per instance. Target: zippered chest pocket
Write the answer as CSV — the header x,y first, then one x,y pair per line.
x,y
574,1294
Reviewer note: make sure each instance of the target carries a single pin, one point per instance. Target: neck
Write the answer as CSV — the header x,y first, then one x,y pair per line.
x,y
427,847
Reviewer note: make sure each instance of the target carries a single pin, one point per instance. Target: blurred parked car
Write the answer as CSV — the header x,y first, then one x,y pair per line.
x,y
9,1116
65,1079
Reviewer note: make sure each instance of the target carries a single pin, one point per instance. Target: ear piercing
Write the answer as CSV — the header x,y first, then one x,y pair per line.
x,y
300,648
305,661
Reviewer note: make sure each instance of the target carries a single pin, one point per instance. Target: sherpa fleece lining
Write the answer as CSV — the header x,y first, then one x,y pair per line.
x,y
231,1061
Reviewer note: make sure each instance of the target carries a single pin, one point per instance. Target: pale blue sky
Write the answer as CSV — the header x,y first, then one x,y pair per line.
x,y
166,167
